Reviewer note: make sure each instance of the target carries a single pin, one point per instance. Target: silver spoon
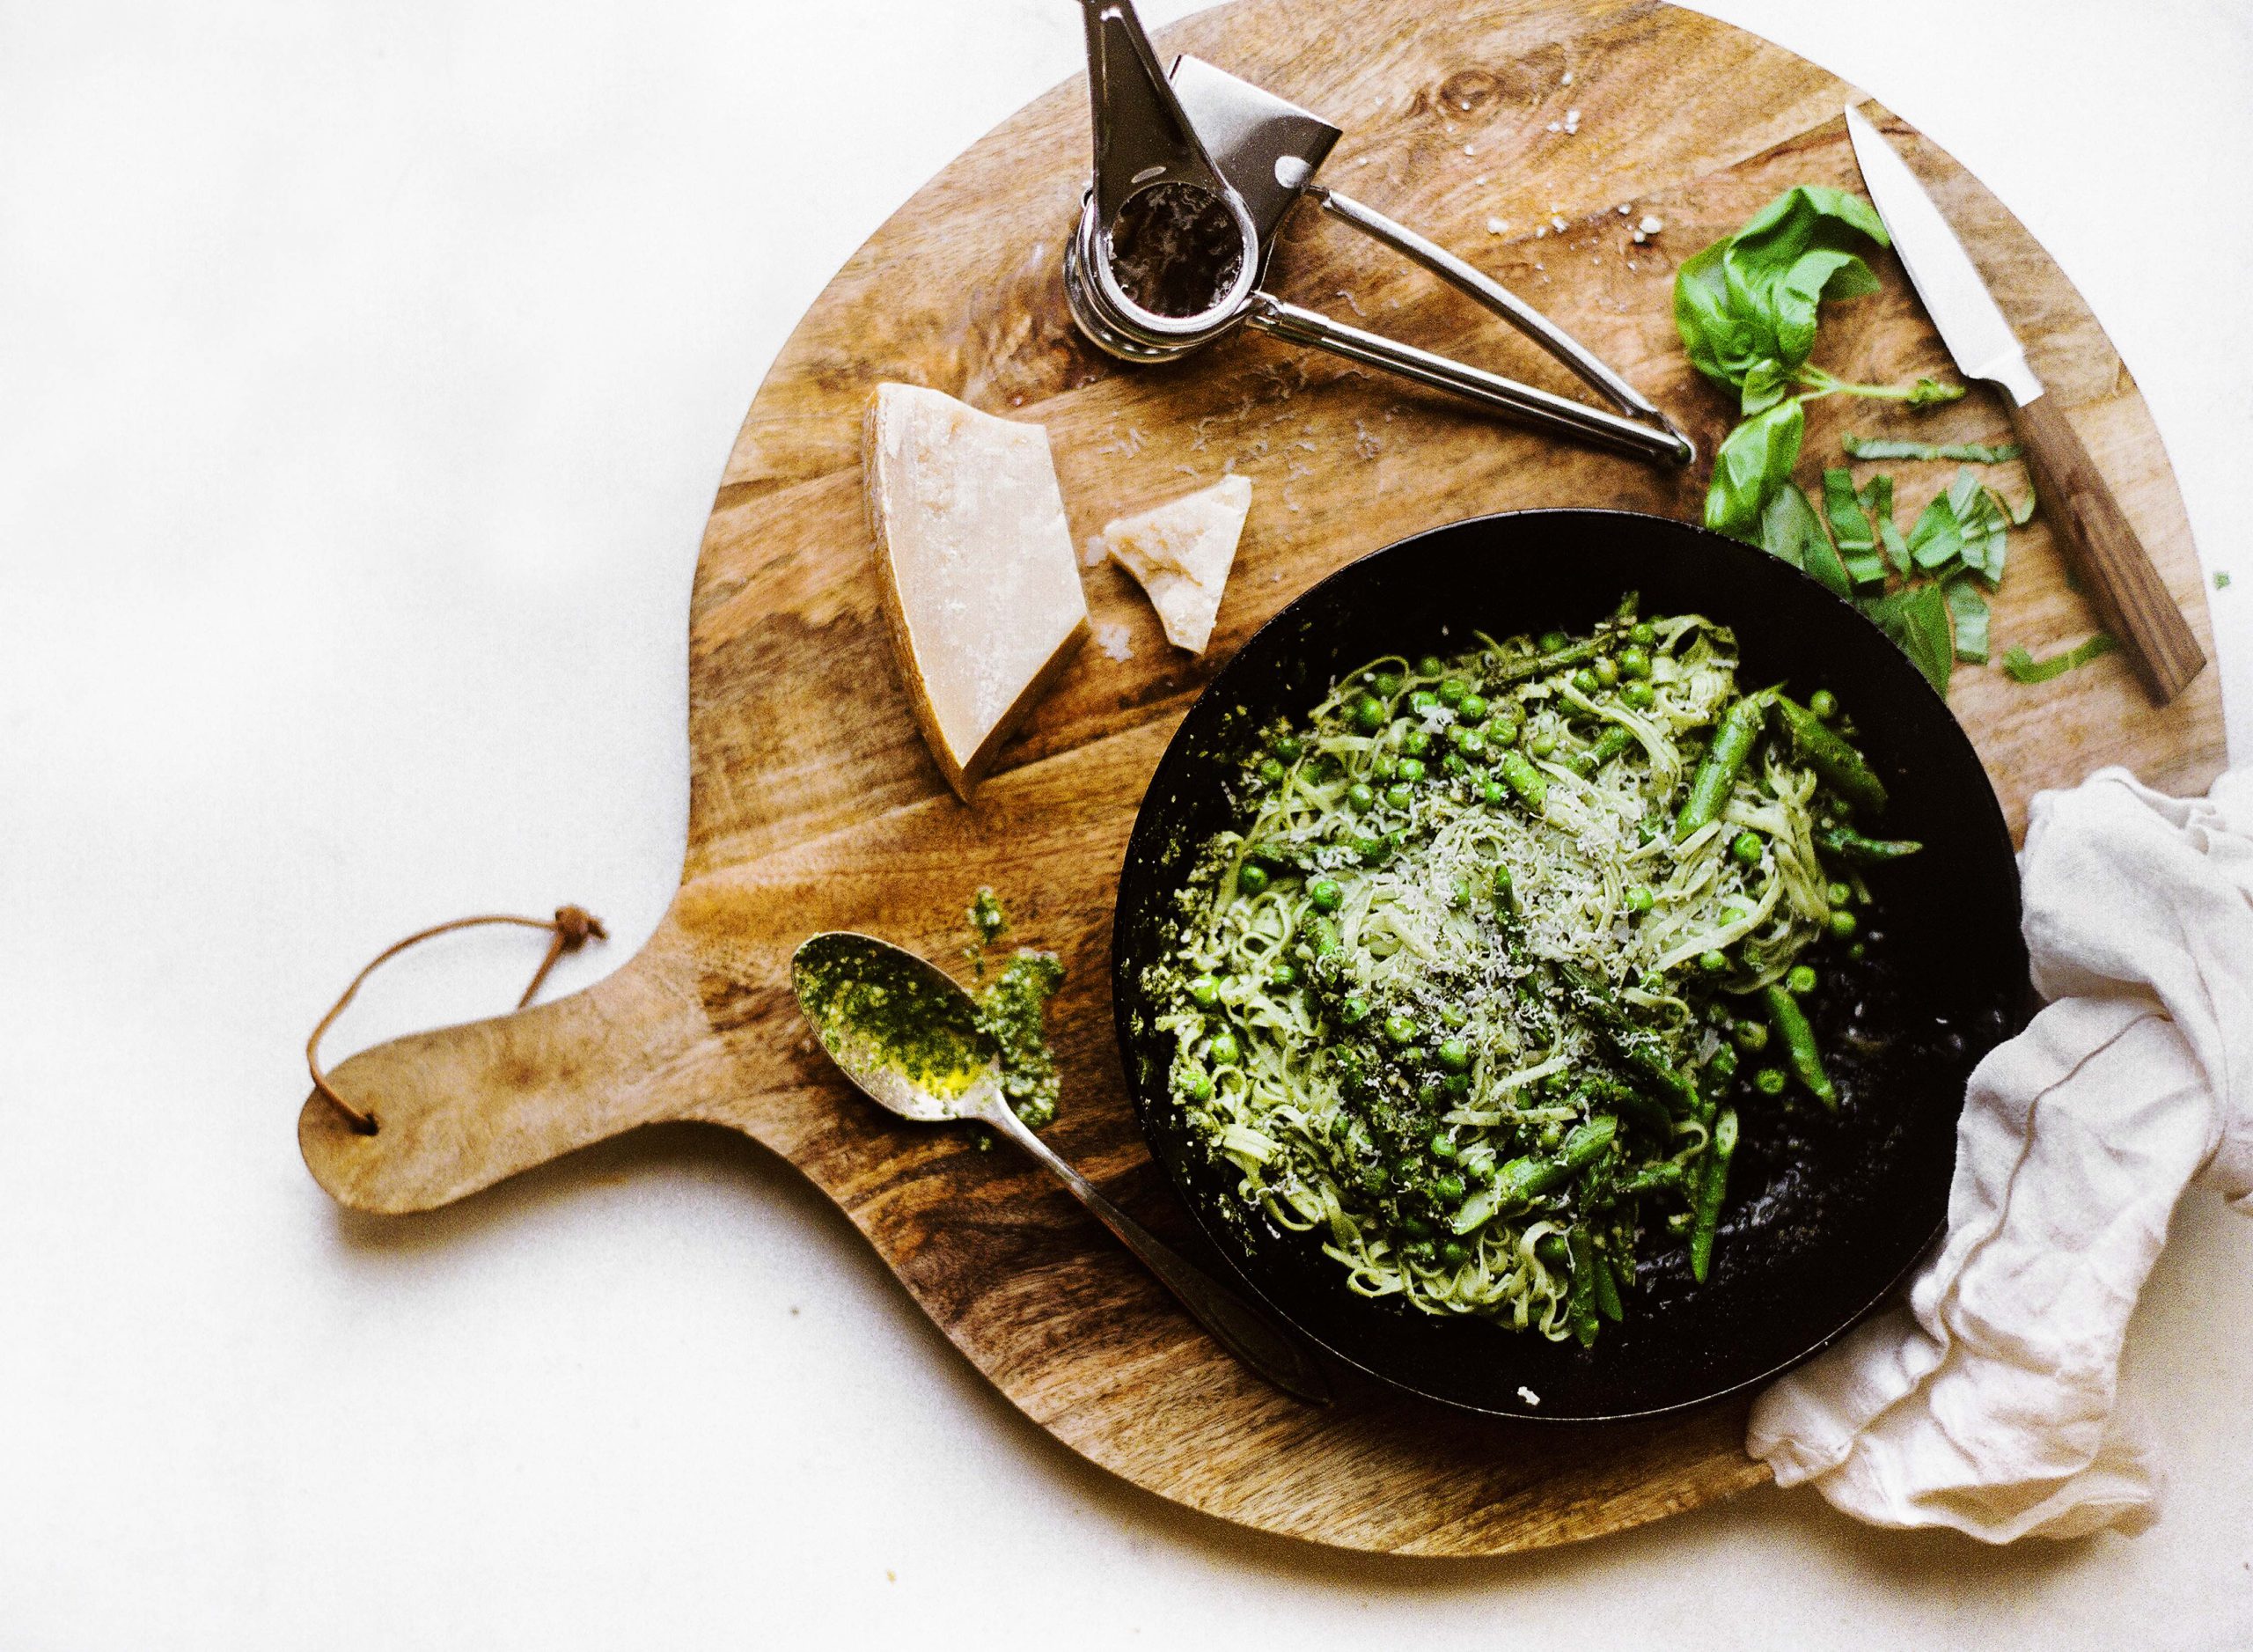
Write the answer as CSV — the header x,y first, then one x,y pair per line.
x,y
954,1072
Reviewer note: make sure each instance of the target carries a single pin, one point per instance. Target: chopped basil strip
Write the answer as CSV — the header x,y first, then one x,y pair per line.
x,y
2024,668
1966,452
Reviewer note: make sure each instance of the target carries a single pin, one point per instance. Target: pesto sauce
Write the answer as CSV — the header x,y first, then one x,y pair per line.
x,y
1013,1013
890,1013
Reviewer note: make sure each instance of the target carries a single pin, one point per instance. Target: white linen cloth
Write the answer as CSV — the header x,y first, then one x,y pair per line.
x,y
1986,1403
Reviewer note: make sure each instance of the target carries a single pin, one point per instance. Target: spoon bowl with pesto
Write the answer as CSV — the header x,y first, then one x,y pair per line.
x,y
914,1042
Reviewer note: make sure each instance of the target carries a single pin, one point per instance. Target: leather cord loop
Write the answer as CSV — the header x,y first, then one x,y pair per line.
x,y
570,929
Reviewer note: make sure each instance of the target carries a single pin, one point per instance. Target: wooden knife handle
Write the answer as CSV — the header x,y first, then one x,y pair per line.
x,y
2104,551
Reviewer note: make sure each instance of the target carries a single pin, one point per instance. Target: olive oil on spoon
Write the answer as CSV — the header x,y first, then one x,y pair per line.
x,y
908,1036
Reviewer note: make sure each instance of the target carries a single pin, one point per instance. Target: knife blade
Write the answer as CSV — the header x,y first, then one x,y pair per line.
x,y
2084,517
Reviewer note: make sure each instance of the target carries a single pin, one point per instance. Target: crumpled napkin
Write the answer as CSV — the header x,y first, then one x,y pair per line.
x,y
1986,1402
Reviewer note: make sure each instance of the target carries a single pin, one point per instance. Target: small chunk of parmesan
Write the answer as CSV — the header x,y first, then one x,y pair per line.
x,y
975,563
1181,552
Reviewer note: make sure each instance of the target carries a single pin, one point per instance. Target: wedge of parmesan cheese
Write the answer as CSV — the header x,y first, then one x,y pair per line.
x,y
1181,552
979,581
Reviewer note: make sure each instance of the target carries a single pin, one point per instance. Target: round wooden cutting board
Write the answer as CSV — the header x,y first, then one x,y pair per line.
x,y
815,805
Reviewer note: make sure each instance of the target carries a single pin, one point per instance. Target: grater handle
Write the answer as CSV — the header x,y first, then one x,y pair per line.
x,y
1478,284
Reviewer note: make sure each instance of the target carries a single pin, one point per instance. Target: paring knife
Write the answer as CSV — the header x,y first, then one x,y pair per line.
x,y
2086,519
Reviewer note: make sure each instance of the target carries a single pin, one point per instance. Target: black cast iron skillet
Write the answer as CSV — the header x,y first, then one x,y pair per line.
x,y
1825,1214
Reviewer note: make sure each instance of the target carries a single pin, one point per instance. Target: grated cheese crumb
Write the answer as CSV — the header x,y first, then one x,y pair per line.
x,y
1528,1395
1094,551
1650,226
1114,640
1495,226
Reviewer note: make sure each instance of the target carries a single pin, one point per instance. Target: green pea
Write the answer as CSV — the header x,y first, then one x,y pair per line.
x,y
1502,884
1453,764
1383,766
1341,1125
1283,975
1839,894
1723,1065
1858,951
1731,915
1360,798
1542,744
1415,742
1606,670
1375,1181
1504,732
1222,1048
1443,1147
1451,1016
1769,1081
1747,847
1198,1085
1368,714
1452,690
1250,879
1410,770
1455,1055
1325,894
1638,696
1371,850
1429,1098
1823,704
1801,979
1386,683
1423,702
1750,1036
1272,771
1553,640
1455,1253
1430,666
1638,899
1642,633
1204,992
1474,708
1288,748
1414,1226
1712,962
1399,1029
1447,1189
1844,923
1355,1010
1493,794
1634,663
1459,1084
1399,797
1587,681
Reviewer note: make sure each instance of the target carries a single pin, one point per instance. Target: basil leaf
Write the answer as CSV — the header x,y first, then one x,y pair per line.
x,y
1984,524
2024,668
1937,537
1876,497
1765,383
2020,514
1719,343
1918,619
1790,529
1866,571
1752,464
1968,611
1968,452
1849,520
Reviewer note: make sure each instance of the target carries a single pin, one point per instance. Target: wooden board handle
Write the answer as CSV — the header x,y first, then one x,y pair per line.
x,y
2104,551
463,1107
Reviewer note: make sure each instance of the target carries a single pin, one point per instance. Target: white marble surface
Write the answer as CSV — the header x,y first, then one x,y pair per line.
x,y
364,373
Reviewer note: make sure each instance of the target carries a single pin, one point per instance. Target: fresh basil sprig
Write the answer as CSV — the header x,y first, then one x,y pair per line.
x,y
1747,307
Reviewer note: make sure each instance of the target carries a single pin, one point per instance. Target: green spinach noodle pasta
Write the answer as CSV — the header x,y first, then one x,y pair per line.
x,y
1497,946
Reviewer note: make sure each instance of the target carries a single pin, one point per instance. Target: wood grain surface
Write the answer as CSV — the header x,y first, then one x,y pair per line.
x,y
815,805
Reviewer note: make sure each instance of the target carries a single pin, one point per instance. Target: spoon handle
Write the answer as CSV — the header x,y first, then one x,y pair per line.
x,y
1250,1334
